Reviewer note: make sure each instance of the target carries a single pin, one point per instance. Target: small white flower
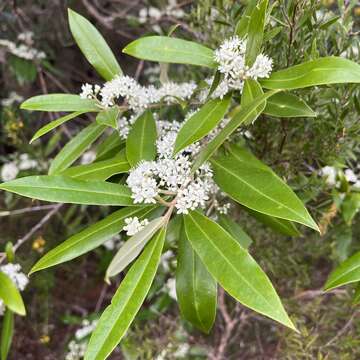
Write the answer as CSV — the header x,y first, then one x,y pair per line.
x,y
171,288
87,91
25,163
87,328
88,157
13,98
13,271
329,173
350,176
133,225
9,171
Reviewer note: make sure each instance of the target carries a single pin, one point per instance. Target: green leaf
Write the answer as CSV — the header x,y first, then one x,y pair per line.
x,y
7,333
243,24
246,114
202,122
322,71
258,188
346,273
67,190
350,207
90,238
75,148
195,288
235,230
109,147
132,248
287,105
108,117
251,91
54,124
93,46
60,102
234,269
10,295
126,302
141,141
356,298
100,170
281,226
171,50
255,32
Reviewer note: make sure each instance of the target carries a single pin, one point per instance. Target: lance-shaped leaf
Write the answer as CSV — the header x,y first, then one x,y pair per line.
x,y
171,50
60,102
132,247
287,105
258,188
108,117
90,238
322,71
202,122
100,170
255,32
233,268
346,273
246,114
251,91
75,148
281,226
7,333
195,288
93,46
109,147
235,230
10,295
242,25
141,141
117,317
54,124
67,190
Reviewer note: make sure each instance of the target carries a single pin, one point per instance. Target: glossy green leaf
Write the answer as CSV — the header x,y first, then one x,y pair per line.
x,y
67,190
251,91
287,105
132,247
100,170
93,46
108,117
54,124
234,269
346,273
126,302
7,333
90,238
60,102
243,24
258,188
171,50
235,230
255,32
75,148
322,71
245,114
202,122
109,147
10,295
141,141
281,226
196,289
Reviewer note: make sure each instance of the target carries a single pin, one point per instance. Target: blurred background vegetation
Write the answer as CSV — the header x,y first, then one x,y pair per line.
x,y
59,300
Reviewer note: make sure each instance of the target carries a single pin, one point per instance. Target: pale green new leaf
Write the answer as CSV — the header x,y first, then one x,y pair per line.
x,y
196,289
10,295
171,50
93,46
202,122
322,71
346,273
91,237
233,268
108,117
75,148
117,317
132,248
54,124
251,91
67,190
7,333
141,141
60,102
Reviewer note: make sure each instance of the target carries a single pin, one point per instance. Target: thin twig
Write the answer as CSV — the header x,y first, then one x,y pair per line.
x,y
26,210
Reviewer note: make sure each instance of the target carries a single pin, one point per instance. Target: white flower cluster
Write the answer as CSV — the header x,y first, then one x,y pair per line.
x,y
10,170
331,174
25,49
13,98
76,351
134,225
20,280
137,97
231,59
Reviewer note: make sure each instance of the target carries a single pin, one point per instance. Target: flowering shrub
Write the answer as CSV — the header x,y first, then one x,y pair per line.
x,y
176,154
